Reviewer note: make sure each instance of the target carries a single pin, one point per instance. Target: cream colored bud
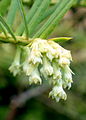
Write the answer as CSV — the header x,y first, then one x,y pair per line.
x,y
57,72
64,61
15,67
35,77
58,93
67,77
48,69
35,57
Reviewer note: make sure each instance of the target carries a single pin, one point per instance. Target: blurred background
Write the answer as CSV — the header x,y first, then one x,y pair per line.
x,y
19,101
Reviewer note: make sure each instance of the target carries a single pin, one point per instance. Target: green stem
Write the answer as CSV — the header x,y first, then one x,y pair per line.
x,y
21,40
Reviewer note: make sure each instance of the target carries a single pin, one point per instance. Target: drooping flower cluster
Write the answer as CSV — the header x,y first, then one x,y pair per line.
x,y
45,59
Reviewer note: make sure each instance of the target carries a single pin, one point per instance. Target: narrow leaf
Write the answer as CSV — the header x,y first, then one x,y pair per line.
x,y
34,21
3,29
46,14
24,18
4,6
60,4
62,12
7,27
12,12
48,27
60,39
29,16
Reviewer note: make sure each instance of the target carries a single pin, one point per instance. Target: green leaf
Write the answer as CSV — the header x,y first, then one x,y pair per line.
x,y
3,6
7,27
24,18
41,10
80,3
12,12
46,14
52,17
60,39
51,23
3,29
29,16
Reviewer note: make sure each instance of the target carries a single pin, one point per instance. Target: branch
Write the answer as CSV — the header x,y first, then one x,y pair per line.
x,y
22,98
21,40
18,101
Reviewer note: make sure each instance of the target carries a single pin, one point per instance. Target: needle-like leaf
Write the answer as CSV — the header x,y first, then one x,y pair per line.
x,y
41,10
51,23
24,18
3,6
29,16
12,12
60,39
3,29
46,14
7,27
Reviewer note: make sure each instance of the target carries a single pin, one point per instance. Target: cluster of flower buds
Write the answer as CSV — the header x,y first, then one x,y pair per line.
x,y
45,59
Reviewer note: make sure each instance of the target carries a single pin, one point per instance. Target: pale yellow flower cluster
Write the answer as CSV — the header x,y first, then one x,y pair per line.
x,y
46,59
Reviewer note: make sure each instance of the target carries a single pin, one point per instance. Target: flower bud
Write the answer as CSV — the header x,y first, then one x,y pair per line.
x,y
15,67
64,61
58,93
57,72
35,57
47,68
35,77
25,56
67,77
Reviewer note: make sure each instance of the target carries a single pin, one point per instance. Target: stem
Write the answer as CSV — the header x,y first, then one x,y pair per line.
x,y
21,40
